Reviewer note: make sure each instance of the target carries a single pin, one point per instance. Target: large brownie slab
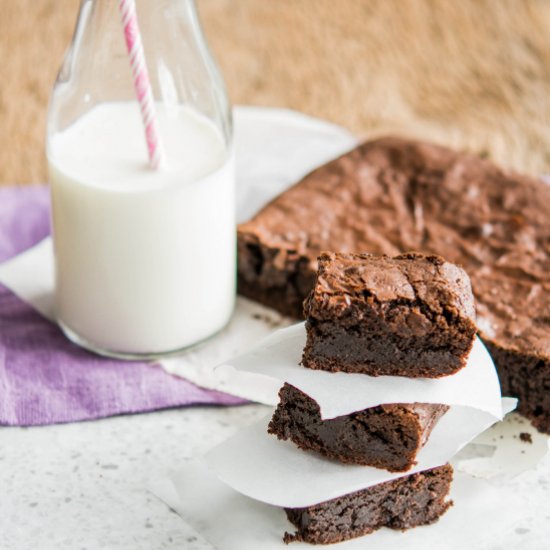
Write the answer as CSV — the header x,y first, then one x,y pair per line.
x,y
387,436
411,315
410,501
391,196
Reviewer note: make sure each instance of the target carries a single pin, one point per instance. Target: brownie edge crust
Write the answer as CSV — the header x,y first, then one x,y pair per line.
x,y
411,315
410,501
386,436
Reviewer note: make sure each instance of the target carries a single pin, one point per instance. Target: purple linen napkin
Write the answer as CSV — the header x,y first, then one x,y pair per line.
x,y
44,379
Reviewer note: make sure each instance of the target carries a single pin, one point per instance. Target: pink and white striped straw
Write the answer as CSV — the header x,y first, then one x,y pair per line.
x,y
142,83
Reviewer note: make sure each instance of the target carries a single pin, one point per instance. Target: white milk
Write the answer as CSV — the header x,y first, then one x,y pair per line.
x,y
145,260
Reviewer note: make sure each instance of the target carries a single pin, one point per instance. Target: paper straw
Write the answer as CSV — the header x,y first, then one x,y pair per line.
x,y
142,83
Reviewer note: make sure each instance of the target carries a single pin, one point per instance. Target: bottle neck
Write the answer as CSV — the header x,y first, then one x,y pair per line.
x,y
172,41
97,67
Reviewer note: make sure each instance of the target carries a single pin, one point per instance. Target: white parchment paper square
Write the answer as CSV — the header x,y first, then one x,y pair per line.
x,y
276,472
276,360
482,515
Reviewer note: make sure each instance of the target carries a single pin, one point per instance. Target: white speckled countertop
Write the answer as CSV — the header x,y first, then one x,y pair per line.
x,y
84,486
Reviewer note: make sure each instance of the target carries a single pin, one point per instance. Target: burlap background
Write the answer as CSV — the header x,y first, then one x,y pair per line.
x,y
471,73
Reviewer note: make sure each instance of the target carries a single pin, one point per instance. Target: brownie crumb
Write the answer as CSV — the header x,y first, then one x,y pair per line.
x,y
526,437
272,322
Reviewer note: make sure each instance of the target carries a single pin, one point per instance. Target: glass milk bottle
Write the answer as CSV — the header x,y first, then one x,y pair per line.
x,y
144,257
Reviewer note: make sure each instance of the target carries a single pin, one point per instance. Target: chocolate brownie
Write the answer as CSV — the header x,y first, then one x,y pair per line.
x,y
406,502
386,436
411,315
393,195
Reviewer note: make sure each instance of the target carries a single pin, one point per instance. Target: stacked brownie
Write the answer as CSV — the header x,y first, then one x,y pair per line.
x,y
411,315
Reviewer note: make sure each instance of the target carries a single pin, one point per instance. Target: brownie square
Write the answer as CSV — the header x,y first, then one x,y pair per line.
x,y
410,501
411,315
386,436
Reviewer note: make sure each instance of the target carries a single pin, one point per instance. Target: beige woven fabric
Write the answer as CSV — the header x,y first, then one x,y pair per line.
x,y
471,73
